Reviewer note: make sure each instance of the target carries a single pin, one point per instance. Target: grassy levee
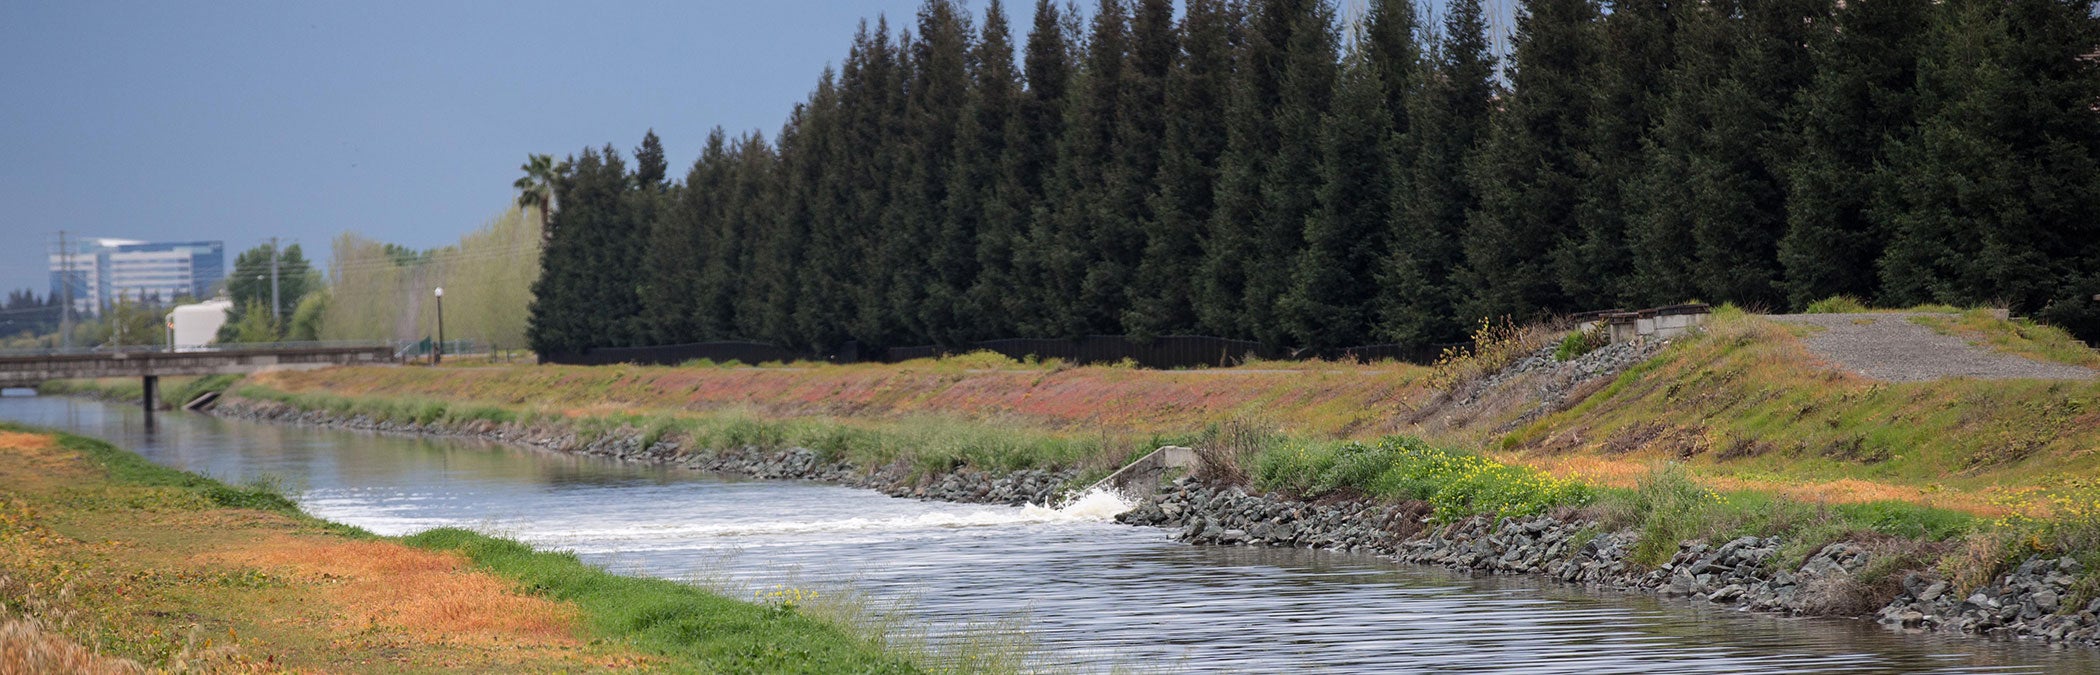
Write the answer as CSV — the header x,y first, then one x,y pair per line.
x,y
1737,430
174,391
1746,406
682,622
110,563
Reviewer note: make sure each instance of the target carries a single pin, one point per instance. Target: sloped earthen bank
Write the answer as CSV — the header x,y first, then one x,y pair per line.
x,y
2030,602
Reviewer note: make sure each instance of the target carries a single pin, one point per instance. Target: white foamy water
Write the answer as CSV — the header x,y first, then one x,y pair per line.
x,y
929,521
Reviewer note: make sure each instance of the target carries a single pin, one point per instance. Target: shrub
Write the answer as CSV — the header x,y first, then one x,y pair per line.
x,y
1581,342
1224,450
1836,304
1495,346
1456,485
1670,508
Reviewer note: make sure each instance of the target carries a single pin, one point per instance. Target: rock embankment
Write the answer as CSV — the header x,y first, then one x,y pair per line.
x,y
1744,573
2034,601
965,485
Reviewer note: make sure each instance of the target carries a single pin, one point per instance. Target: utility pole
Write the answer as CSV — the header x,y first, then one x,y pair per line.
x,y
65,283
274,318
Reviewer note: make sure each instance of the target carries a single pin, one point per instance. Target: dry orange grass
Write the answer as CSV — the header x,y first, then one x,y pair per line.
x,y
430,597
35,462
1324,399
27,650
1628,473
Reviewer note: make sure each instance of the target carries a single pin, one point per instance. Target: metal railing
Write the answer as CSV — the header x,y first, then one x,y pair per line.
x,y
204,349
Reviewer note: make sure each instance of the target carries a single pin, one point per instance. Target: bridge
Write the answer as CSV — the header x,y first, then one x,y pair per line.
x,y
32,368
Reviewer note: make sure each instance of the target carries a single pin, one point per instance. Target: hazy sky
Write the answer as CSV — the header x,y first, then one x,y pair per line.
x,y
405,121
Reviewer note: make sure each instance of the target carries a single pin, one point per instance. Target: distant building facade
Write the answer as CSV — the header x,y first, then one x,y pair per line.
x,y
98,272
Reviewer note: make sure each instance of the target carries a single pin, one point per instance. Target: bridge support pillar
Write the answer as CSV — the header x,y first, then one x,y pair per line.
x,y
149,392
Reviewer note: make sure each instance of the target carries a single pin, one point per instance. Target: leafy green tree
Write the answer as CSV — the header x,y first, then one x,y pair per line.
x,y
249,284
305,324
252,326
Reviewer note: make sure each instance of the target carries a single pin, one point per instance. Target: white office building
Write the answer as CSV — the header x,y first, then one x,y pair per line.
x,y
97,272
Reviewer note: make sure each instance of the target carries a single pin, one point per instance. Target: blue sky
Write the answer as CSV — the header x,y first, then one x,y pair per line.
x,y
241,120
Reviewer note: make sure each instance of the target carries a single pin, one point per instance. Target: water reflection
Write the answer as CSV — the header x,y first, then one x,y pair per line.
x,y
1094,594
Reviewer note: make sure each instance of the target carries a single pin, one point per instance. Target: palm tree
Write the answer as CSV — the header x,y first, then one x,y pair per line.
x,y
536,189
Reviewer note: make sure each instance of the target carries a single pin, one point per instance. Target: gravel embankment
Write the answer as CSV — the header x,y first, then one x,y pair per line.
x,y
1890,347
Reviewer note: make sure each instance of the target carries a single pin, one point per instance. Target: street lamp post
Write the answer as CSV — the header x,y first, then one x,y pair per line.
x,y
437,351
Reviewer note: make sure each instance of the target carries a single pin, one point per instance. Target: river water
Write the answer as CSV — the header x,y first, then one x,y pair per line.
x,y
1093,595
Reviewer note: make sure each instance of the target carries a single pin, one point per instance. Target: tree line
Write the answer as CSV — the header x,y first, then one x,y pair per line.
x,y
1258,170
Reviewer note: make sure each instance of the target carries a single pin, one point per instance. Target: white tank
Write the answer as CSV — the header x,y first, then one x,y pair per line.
x,y
198,325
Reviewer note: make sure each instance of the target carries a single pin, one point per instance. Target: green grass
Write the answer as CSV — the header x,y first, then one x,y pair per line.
x,y
2022,336
1456,484
698,631
174,391
1581,342
930,444
1668,507
1836,304
129,469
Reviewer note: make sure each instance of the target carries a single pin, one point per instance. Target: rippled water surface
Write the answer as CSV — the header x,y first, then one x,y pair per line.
x,y
1094,595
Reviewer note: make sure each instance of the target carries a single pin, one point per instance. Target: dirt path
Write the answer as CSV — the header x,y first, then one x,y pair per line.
x,y
1889,346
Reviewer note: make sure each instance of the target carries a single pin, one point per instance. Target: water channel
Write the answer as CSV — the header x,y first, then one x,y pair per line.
x,y
1093,595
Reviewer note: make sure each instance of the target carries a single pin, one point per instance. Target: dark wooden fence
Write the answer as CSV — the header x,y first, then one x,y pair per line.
x,y
1173,351
667,355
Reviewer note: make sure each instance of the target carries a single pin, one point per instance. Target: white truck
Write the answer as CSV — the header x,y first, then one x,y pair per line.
x,y
191,327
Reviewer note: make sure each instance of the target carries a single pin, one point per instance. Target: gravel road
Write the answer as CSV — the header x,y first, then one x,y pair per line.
x,y
1888,346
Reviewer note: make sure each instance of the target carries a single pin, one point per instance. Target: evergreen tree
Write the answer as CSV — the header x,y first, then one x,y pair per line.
x,y
1866,72
1063,242
1450,117
1330,301
936,87
805,143
1233,243
823,284
1388,40
876,106
1119,238
1009,269
1194,138
1291,180
1594,262
978,216
560,311
1990,198
1529,169
1738,192
680,247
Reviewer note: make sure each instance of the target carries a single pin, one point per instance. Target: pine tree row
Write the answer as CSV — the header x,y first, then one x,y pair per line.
x,y
1256,170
